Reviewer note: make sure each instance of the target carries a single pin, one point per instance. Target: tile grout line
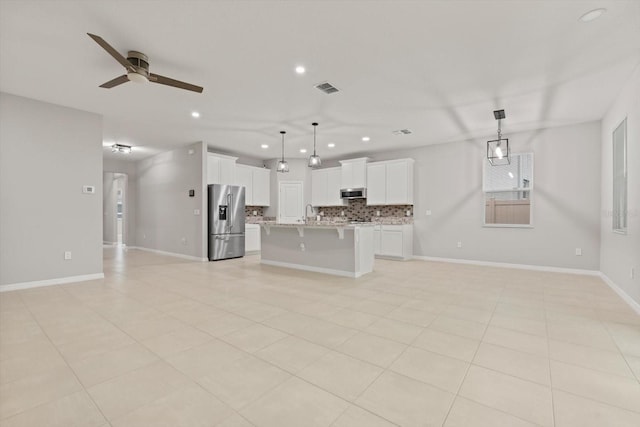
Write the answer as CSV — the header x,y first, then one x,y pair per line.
x,y
86,392
457,393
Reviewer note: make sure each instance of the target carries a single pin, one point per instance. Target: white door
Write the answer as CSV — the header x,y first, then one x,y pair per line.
x,y
290,202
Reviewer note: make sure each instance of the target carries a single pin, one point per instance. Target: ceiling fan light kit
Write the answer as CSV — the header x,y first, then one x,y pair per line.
x,y
498,152
137,66
121,148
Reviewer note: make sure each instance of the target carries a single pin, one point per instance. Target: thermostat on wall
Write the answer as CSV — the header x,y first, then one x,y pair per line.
x,y
88,189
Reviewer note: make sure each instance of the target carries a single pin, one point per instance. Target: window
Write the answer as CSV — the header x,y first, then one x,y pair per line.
x,y
620,178
508,191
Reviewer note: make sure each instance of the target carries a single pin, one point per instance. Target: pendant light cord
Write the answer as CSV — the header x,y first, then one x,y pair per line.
x,y
315,125
282,133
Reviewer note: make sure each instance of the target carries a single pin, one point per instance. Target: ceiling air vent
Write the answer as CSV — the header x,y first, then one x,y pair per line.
x,y
402,132
327,88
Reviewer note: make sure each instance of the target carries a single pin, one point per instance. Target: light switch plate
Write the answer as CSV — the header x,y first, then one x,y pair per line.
x,y
88,189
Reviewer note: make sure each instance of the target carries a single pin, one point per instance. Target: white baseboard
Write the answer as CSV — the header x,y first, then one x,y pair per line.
x,y
311,268
621,293
173,254
50,282
509,265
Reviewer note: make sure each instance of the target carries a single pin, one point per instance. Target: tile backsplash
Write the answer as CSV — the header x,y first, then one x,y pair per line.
x,y
248,211
357,209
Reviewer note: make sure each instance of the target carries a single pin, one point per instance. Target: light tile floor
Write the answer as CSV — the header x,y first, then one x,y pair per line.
x,y
167,342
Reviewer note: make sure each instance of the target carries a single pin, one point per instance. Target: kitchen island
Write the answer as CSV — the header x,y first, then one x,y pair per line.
x,y
341,249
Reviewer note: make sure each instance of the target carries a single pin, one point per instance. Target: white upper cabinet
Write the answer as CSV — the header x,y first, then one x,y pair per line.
x,y
376,184
319,187
354,173
334,185
256,182
221,169
261,179
244,178
399,186
325,187
390,182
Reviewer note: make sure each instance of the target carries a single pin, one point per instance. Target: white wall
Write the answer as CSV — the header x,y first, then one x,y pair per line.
x,y
131,195
165,213
621,252
566,200
47,153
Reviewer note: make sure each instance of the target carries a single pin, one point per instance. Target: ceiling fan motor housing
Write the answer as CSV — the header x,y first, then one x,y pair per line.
x,y
140,62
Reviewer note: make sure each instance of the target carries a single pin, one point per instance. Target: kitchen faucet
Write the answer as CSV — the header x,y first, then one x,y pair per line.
x,y
313,211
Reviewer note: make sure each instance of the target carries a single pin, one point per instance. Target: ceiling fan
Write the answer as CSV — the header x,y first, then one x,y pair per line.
x,y
137,66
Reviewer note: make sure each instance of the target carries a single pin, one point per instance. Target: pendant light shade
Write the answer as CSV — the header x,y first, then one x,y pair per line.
x,y
283,166
314,159
498,149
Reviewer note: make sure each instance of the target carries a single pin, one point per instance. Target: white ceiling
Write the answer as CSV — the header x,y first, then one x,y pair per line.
x,y
438,68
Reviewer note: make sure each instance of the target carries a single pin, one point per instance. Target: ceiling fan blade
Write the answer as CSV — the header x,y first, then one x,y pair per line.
x,y
106,46
115,82
156,78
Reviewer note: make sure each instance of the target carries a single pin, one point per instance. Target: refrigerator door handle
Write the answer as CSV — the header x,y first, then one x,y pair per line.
x,y
231,212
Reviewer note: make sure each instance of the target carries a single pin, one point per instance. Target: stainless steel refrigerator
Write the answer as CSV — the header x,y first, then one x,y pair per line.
x,y
226,221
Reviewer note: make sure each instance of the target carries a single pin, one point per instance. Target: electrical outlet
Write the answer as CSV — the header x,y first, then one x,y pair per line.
x,y
67,255
459,244
428,212
184,240
255,213
196,211
377,213
302,248
578,251
408,212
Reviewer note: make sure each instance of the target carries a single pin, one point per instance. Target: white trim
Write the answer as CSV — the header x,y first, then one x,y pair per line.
x,y
173,254
50,282
621,293
311,268
509,265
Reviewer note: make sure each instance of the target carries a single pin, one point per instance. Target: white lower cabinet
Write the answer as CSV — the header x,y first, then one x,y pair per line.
x,y
251,238
393,241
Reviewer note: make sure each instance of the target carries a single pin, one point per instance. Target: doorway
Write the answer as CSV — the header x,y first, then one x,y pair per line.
x,y
114,225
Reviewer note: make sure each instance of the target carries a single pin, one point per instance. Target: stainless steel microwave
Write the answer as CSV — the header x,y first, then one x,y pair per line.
x,y
353,193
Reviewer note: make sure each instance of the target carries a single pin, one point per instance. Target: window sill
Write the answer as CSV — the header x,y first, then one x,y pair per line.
x,y
507,225
622,232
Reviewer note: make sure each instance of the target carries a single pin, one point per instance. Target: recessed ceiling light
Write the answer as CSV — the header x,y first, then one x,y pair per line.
x,y
195,114
303,150
264,146
366,139
592,15
331,145
300,69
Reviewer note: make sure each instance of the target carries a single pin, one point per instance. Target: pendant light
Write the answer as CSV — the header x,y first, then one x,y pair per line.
x,y
283,166
314,159
498,149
